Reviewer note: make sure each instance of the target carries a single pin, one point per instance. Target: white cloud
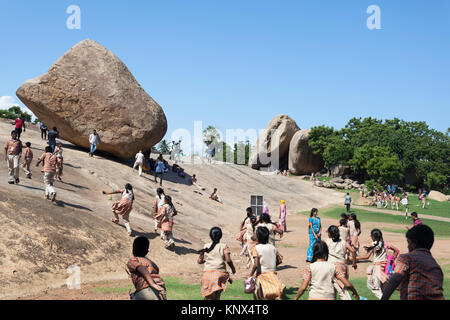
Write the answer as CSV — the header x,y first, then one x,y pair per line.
x,y
7,102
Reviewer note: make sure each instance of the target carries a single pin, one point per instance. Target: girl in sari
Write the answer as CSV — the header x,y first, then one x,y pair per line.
x,y
123,207
315,230
355,231
215,256
158,202
376,275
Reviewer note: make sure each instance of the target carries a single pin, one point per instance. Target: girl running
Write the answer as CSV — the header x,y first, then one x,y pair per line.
x,y
215,275
376,276
337,249
268,285
243,230
321,274
283,213
315,230
123,207
158,202
165,222
59,155
355,231
264,221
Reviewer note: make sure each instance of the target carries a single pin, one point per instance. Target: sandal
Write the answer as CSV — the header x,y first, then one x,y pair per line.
x,y
115,221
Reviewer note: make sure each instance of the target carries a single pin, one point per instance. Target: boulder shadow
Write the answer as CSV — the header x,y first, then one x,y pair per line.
x,y
63,204
285,267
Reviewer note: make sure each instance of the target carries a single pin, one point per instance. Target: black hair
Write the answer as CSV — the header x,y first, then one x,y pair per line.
x,y
334,233
378,237
343,222
265,218
414,214
357,224
48,149
320,251
215,234
129,188
262,234
313,210
249,215
28,144
55,129
159,192
168,199
249,210
422,235
14,132
344,216
140,247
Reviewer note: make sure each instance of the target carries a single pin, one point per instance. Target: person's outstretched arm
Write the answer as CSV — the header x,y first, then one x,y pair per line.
x,y
230,262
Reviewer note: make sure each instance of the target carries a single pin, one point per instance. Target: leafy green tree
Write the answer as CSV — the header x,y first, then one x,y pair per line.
x,y
164,147
211,135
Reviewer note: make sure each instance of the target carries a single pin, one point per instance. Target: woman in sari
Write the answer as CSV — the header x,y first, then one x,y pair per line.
x,y
315,230
283,213
165,221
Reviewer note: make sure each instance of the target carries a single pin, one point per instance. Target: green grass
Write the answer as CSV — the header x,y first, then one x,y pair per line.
x,y
436,208
440,228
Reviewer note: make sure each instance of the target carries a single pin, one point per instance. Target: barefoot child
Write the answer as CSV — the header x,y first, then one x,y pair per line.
x,y
337,249
355,231
28,158
283,214
214,196
321,274
268,285
123,207
158,202
49,161
59,167
215,256
376,275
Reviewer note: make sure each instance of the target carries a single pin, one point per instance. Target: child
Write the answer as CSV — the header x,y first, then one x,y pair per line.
x,y
50,162
139,162
243,231
338,248
405,203
215,275
214,196
355,231
376,276
416,220
321,274
266,258
165,222
194,182
158,202
123,207
283,214
59,155
28,158
417,274
264,221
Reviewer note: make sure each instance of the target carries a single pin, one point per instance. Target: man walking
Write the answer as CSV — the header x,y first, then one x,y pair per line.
x,y
52,136
93,140
20,123
13,152
139,161
44,130
348,201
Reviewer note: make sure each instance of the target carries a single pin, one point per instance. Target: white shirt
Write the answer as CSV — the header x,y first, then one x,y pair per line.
x,y
93,139
140,157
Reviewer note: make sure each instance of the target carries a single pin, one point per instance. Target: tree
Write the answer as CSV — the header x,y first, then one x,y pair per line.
x,y
211,135
164,147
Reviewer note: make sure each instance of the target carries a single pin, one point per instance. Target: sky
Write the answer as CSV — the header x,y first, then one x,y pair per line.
x,y
237,64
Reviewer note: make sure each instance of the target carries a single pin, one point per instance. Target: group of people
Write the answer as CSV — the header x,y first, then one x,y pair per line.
x,y
175,153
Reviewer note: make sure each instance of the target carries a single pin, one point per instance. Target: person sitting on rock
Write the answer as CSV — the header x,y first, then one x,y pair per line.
x,y
214,196
194,182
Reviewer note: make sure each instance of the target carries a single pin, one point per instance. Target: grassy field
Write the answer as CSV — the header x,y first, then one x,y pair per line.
x,y
435,208
440,228
178,290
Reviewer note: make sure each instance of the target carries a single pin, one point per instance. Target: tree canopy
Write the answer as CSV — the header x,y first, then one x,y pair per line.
x,y
387,151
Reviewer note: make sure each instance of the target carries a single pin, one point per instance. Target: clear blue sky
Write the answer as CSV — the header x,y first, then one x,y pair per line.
x,y
236,64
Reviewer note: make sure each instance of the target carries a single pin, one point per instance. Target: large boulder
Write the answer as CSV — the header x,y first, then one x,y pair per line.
x,y
274,139
339,170
90,88
438,196
302,160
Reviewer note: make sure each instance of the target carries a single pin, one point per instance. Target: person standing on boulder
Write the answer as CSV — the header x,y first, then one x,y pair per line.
x,y
20,124
52,136
50,161
139,161
13,152
94,139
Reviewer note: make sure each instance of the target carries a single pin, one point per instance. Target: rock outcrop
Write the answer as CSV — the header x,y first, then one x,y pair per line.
x,y
273,143
302,160
90,88
438,196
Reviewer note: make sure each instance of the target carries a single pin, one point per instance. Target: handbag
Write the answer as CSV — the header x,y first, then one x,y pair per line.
x,y
250,285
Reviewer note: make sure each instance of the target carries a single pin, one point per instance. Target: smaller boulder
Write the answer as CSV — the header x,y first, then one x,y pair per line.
x,y
438,196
